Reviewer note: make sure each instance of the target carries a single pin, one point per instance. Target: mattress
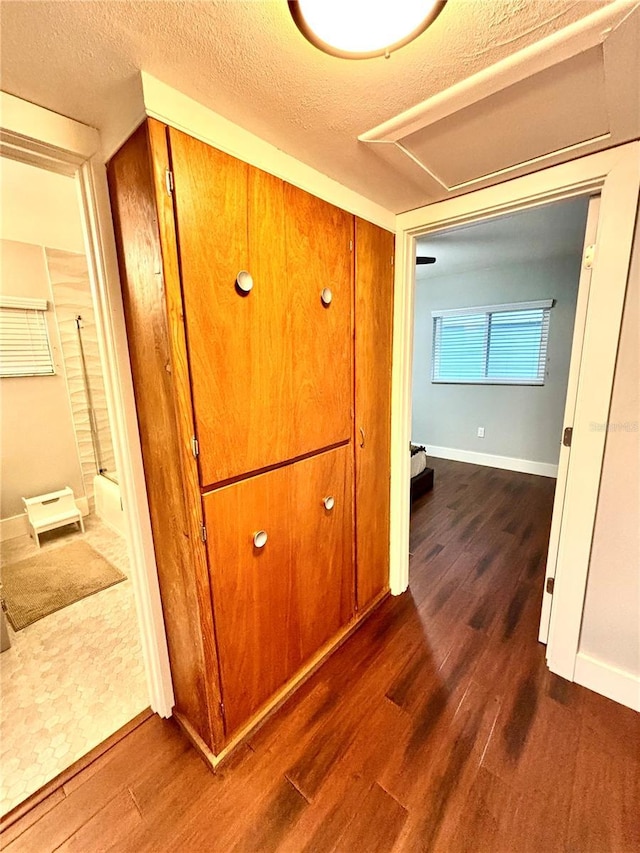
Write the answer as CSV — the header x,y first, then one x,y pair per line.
x,y
418,460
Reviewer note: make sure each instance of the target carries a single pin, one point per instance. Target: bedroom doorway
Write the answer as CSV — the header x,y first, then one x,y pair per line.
x,y
615,174
498,320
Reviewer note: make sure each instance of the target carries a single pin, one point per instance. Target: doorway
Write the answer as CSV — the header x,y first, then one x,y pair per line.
x,y
499,320
616,175
72,666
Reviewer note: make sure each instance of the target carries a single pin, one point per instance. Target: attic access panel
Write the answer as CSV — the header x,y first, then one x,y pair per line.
x,y
555,109
572,93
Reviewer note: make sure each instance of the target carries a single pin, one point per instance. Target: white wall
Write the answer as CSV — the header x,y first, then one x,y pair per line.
x,y
38,445
611,620
521,422
40,207
69,278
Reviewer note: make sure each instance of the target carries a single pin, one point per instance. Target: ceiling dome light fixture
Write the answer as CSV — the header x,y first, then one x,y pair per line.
x,y
363,29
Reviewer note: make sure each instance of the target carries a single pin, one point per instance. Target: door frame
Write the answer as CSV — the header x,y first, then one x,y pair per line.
x,y
564,460
34,135
615,174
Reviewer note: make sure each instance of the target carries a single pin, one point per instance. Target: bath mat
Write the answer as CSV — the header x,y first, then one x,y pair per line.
x,y
53,579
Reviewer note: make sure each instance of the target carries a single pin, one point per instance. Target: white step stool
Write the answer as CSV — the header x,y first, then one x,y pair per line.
x,y
46,512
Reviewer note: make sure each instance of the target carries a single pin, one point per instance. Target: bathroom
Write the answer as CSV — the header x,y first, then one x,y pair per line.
x,y
71,663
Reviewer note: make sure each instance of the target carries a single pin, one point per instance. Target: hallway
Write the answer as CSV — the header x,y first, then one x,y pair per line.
x,y
436,726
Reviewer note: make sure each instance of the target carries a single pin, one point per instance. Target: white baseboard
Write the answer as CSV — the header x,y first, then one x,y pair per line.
x,y
609,681
508,463
16,525
11,528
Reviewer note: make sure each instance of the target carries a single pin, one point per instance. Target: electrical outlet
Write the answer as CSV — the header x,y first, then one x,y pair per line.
x,y
480,432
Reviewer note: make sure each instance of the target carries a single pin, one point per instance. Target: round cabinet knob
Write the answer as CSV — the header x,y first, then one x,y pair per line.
x,y
326,296
244,281
329,502
260,538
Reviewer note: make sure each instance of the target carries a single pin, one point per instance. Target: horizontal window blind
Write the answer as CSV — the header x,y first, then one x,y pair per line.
x,y
459,348
24,343
498,344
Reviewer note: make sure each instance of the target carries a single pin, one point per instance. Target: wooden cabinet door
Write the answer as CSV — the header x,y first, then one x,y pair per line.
x,y
319,240
276,605
373,338
230,217
271,368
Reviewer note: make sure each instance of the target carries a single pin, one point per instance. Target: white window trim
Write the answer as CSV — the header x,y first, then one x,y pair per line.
x,y
26,302
487,311
495,309
527,382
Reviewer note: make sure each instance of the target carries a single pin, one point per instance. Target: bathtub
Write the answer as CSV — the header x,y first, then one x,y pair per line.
x,y
106,492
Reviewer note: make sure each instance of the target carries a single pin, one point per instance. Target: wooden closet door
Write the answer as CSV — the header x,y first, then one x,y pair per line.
x,y
373,339
271,370
277,604
230,217
318,243
323,547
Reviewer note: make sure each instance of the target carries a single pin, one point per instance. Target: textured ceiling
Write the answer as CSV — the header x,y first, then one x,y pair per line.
x,y
248,62
551,230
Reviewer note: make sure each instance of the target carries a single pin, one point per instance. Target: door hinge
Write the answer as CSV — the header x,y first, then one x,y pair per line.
x,y
391,260
203,533
222,709
589,255
168,176
195,447
550,585
351,245
567,436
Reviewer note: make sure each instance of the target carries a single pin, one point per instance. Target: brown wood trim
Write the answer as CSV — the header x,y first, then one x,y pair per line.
x,y
215,760
215,486
160,159
355,434
140,257
374,252
81,764
354,379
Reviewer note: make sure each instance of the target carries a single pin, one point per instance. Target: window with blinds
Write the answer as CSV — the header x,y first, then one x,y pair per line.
x,y
493,344
24,339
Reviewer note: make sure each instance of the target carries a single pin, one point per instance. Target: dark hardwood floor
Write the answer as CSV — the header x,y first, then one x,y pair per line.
x,y
437,726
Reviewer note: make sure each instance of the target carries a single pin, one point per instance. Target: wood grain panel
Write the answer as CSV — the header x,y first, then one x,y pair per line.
x,y
324,571
143,287
265,389
185,422
211,196
256,619
108,828
318,240
276,605
372,443
377,824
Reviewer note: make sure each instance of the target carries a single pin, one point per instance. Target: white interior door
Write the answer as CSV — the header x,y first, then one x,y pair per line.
x,y
569,411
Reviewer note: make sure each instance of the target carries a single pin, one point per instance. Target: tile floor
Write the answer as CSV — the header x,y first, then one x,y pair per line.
x,y
71,679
